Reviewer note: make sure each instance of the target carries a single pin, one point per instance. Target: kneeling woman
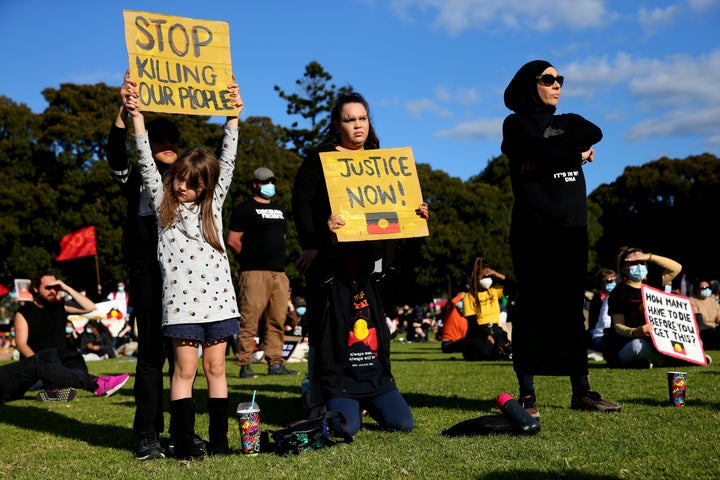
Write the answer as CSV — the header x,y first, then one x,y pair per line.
x,y
349,357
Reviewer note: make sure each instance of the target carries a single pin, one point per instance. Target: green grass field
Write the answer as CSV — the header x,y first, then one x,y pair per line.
x,y
92,437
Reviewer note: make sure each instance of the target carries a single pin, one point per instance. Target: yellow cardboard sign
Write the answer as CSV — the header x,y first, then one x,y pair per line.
x,y
181,65
376,192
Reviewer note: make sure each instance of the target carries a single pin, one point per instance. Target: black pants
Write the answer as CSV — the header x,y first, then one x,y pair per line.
x,y
549,327
46,365
151,355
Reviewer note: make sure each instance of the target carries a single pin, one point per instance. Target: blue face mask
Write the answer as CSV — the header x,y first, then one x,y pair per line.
x,y
88,331
68,330
705,292
637,272
267,190
609,286
301,310
459,305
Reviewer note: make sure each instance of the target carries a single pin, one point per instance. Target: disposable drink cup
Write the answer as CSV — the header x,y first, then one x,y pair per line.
x,y
677,384
248,414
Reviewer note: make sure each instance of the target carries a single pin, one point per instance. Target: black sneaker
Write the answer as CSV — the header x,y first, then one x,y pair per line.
x,y
220,450
593,402
56,395
198,442
150,448
279,369
246,371
528,403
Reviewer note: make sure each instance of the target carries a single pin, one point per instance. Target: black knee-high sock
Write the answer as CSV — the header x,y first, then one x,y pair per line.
x,y
218,432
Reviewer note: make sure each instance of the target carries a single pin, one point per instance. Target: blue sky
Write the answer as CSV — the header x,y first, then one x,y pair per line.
x,y
434,71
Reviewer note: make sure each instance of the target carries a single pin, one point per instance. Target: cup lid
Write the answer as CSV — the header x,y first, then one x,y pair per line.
x,y
248,407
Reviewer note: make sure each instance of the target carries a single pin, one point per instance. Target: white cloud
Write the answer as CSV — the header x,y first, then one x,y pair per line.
x,y
456,16
678,95
678,123
443,95
416,108
652,20
490,128
672,81
702,5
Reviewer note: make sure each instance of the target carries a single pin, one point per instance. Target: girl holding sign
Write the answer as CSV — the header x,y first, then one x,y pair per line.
x,y
349,359
199,305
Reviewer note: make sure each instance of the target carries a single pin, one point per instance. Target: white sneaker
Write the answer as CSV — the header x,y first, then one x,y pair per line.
x,y
595,356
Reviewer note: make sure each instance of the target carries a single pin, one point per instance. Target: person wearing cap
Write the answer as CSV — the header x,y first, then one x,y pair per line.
x,y
257,235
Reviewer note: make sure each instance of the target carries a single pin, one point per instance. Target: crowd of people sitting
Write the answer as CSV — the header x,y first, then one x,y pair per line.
x,y
616,330
455,323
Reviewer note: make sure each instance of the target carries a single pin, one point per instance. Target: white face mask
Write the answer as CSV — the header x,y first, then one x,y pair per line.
x,y
486,282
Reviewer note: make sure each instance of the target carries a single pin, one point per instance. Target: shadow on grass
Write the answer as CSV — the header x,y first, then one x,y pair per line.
x,y
545,475
40,419
423,400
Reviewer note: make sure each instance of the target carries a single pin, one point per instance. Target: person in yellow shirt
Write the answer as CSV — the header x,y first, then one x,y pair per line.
x,y
485,339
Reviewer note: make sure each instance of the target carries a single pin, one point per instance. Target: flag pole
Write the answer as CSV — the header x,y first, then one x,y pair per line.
x,y
97,271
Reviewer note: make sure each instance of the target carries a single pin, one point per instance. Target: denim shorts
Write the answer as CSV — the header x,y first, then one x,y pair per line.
x,y
203,332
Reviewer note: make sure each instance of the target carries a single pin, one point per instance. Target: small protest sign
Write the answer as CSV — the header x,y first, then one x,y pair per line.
x,y
181,65
675,330
376,192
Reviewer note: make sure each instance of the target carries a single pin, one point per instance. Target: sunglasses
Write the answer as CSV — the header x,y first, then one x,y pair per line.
x,y
548,80
610,280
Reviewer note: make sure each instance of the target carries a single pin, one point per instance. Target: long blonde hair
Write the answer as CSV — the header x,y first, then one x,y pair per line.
x,y
199,169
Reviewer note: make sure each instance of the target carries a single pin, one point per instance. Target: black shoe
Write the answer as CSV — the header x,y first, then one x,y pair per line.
x,y
279,369
246,371
198,443
56,395
221,450
528,403
593,402
150,448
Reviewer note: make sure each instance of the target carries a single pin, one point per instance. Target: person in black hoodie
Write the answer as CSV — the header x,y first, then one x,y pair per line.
x,y
349,339
546,153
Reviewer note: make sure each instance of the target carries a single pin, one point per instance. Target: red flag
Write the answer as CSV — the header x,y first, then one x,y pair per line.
x,y
78,244
3,290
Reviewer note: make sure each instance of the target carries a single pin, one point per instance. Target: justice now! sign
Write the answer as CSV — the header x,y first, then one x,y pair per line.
x,y
376,192
181,65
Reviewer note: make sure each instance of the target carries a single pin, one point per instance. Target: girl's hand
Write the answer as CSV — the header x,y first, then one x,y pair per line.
x,y
128,95
423,211
335,222
235,97
129,87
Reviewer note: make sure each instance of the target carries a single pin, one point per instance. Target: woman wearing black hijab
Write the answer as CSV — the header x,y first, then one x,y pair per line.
x,y
548,234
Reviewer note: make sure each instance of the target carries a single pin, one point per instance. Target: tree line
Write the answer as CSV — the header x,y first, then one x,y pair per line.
x,y
55,180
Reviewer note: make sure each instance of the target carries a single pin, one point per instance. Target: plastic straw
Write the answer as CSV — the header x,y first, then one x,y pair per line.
x,y
252,404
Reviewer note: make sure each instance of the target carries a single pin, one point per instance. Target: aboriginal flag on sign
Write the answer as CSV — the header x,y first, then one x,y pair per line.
x,y
379,223
678,348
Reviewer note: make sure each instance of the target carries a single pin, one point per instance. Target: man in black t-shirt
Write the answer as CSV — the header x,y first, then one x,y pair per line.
x,y
40,324
257,235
